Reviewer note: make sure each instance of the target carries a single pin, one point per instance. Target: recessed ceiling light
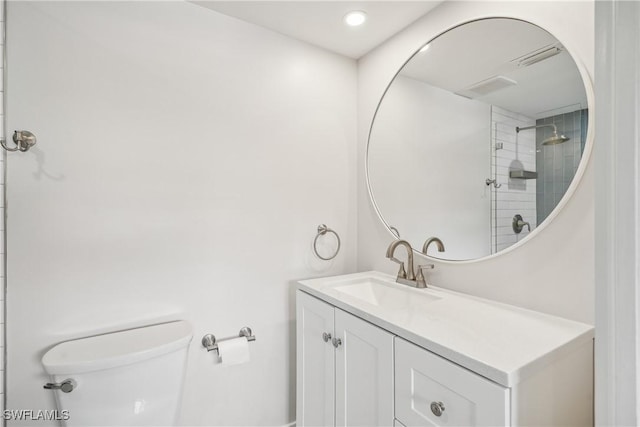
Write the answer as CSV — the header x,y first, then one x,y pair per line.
x,y
355,18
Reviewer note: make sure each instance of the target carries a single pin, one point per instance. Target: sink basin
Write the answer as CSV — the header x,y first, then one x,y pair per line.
x,y
382,294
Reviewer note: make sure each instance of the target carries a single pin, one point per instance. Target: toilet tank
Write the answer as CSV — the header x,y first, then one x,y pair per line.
x,y
126,378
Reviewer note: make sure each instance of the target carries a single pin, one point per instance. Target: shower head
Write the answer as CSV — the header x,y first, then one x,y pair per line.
x,y
553,139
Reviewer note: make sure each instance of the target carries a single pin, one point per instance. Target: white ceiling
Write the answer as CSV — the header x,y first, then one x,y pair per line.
x,y
481,50
460,58
321,22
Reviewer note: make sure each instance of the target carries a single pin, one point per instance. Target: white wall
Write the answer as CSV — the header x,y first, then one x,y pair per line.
x,y
184,161
2,248
617,193
424,133
553,272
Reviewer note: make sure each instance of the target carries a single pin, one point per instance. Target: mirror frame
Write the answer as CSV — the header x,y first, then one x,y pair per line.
x,y
577,178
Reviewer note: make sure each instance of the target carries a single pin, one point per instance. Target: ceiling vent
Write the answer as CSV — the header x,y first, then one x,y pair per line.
x,y
487,86
538,55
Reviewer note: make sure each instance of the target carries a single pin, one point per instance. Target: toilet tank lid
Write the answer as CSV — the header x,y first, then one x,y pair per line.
x,y
116,348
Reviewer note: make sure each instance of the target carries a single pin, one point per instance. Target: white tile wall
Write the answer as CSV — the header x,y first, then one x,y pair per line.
x,y
515,196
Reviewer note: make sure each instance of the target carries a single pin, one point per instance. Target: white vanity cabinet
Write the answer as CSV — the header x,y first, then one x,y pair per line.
x,y
315,370
560,394
431,391
344,368
435,357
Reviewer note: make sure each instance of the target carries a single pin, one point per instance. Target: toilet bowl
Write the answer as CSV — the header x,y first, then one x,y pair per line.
x,y
126,378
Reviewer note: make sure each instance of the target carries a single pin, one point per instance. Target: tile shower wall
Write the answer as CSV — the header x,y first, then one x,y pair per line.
x,y
514,196
557,164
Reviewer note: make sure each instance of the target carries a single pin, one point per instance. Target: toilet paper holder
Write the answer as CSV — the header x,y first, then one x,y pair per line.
x,y
210,343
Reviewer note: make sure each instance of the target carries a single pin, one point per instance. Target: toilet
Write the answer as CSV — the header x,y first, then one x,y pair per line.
x,y
126,378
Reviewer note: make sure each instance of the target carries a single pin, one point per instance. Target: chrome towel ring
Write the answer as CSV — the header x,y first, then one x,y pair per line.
x,y
322,230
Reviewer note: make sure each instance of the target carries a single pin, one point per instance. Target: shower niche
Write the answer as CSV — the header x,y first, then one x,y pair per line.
x,y
487,121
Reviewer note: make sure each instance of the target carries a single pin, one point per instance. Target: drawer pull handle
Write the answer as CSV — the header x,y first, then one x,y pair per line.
x,y
326,337
437,408
337,342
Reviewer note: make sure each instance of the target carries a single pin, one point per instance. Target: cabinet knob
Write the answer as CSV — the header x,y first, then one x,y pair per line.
x,y
337,342
437,408
326,337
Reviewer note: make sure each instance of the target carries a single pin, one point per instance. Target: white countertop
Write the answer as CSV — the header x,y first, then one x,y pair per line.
x,y
501,342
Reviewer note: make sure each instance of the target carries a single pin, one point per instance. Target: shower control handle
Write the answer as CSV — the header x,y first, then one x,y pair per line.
x,y
518,224
66,386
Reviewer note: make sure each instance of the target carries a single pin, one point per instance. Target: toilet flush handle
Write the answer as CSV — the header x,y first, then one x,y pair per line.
x,y
67,386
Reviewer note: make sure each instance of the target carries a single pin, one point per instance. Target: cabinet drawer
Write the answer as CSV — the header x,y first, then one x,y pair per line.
x,y
459,397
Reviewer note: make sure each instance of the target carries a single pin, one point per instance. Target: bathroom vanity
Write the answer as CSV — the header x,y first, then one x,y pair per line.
x,y
373,352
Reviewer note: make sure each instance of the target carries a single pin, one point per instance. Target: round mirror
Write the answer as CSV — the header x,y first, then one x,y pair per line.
x,y
478,138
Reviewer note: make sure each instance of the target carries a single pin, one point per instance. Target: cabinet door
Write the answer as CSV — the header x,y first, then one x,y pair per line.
x,y
315,362
364,373
431,391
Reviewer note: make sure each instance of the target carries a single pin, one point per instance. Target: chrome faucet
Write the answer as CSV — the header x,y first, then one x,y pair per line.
x,y
407,277
403,277
420,279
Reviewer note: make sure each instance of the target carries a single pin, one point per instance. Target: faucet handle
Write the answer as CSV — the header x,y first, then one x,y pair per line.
x,y
421,282
402,273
